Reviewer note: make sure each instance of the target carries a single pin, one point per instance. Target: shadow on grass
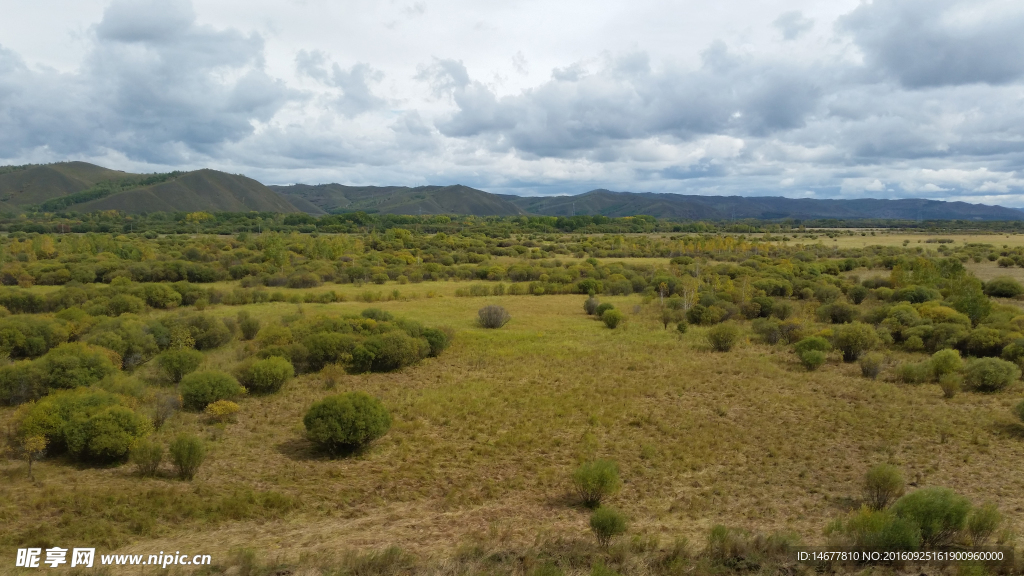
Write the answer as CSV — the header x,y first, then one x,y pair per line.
x,y
302,450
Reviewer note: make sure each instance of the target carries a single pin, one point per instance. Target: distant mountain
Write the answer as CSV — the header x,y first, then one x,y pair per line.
x,y
608,203
455,199
84,187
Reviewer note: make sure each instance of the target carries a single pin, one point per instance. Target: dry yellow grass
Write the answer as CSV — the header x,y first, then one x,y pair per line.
x,y
486,435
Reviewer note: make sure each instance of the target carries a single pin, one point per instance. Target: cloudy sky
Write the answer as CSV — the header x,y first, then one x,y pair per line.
x,y
883,99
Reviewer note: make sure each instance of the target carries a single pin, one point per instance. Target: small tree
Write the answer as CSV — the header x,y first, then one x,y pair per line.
x,y
854,339
146,456
346,422
723,336
606,523
33,447
593,481
493,316
883,484
177,363
187,453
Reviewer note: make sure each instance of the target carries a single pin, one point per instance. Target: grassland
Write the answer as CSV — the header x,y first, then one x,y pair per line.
x,y
486,435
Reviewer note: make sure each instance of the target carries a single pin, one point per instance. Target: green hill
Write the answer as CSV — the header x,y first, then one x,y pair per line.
x,y
455,199
31,185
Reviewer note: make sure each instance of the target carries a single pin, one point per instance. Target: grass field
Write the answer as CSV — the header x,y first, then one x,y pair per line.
x,y
485,438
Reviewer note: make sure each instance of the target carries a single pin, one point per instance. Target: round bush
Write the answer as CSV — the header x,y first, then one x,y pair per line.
x,y
813,359
346,422
883,484
188,453
201,388
179,362
682,327
612,318
602,308
945,362
990,374
1003,288
394,350
438,340
723,336
854,339
493,316
606,523
812,343
939,512
871,364
593,481
107,435
266,376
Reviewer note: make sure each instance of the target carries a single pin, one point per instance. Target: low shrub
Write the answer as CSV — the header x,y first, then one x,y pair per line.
x,y
990,374
723,336
377,314
857,294
265,376
602,308
882,485
1003,287
871,364
188,453
682,327
612,318
439,340
346,422
782,310
769,329
813,359
249,326
199,389
913,372
951,384
939,513
876,530
983,523
493,316
607,523
590,305
837,313
594,481
177,363
390,351
812,343
222,410
854,339
146,456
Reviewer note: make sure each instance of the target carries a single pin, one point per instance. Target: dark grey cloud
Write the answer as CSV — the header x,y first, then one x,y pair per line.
x,y
793,24
925,43
155,86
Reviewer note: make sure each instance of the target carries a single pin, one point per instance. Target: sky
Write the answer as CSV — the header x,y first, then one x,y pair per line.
x,y
839,99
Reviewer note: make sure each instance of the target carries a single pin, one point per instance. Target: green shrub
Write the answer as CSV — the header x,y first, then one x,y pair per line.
x,y
854,339
939,512
857,294
201,388
812,343
871,364
723,336
769,329
813,359
249,326
913,372
984,342
107,435
377,314
837,313
493,316
590,305
594,481
437,339
176,363
607,523
146,456
188,453
346,422
602,308
951,384
782,310
1003,287
393,350
883,484
876,530
983,523
682,327
990,374
945,362
265,376
612,318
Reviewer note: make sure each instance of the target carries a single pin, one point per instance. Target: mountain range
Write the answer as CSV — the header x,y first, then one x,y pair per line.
x,y
84,187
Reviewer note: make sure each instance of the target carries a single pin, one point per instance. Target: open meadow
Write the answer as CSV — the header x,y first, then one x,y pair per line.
x,y
476,471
